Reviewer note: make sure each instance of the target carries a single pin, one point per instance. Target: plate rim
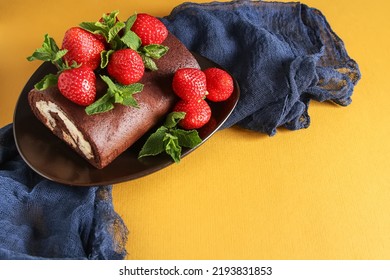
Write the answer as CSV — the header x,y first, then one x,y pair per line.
x,y
145,172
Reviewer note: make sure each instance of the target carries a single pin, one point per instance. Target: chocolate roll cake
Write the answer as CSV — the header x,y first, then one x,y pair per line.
x,y
102,137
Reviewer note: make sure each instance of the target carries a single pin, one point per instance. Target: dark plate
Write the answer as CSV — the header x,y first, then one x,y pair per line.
x,y
56,161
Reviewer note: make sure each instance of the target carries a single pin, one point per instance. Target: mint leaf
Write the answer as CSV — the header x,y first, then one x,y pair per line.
x,y
128,100
118,97
59,55
47,81
111,18
96,28
154,145
151,52
148,62
111,85
49,51
170,139
155,51
105,58
131,40
187,138
172,147
93,28
116,93
127,93
108,26
132,88
173,119
130,21
114,30
101,105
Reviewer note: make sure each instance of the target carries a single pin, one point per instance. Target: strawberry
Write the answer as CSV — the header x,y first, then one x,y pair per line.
x,y
189,84
78,85
150,29
83,47
219,84
126,66
198,113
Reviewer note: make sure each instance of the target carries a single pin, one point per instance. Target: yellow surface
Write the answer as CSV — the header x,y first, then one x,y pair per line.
x,y
319,193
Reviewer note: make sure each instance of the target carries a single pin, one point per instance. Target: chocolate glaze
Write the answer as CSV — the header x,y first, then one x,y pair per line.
x,y
112,132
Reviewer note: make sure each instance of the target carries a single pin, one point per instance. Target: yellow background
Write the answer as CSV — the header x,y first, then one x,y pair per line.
x,y
318,193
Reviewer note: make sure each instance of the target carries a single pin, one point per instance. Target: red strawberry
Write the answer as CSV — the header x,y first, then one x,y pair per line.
x,y
126,66
150,29
78,85
189,84
198,113
83,47
219,84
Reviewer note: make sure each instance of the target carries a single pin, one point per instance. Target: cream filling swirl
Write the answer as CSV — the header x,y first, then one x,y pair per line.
x,y
75,138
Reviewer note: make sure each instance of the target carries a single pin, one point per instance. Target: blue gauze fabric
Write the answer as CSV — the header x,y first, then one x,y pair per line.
x,y
40,219
282,54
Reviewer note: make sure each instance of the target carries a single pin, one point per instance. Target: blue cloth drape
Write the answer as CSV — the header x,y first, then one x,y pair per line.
x,y
41,219
282,54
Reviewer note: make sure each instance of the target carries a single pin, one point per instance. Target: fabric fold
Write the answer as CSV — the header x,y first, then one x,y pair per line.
x,y
41,219
282,54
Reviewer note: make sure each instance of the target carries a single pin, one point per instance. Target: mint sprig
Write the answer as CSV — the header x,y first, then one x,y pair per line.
x,y
110,28
52,53
151,52
49,52
129,38
170,139
119,36
116,93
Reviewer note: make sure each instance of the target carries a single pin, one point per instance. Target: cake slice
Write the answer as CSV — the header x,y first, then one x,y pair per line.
x,y
102,137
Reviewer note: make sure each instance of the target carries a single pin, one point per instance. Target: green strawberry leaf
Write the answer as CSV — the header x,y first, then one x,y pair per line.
x,y
47,81
170,139
155,51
